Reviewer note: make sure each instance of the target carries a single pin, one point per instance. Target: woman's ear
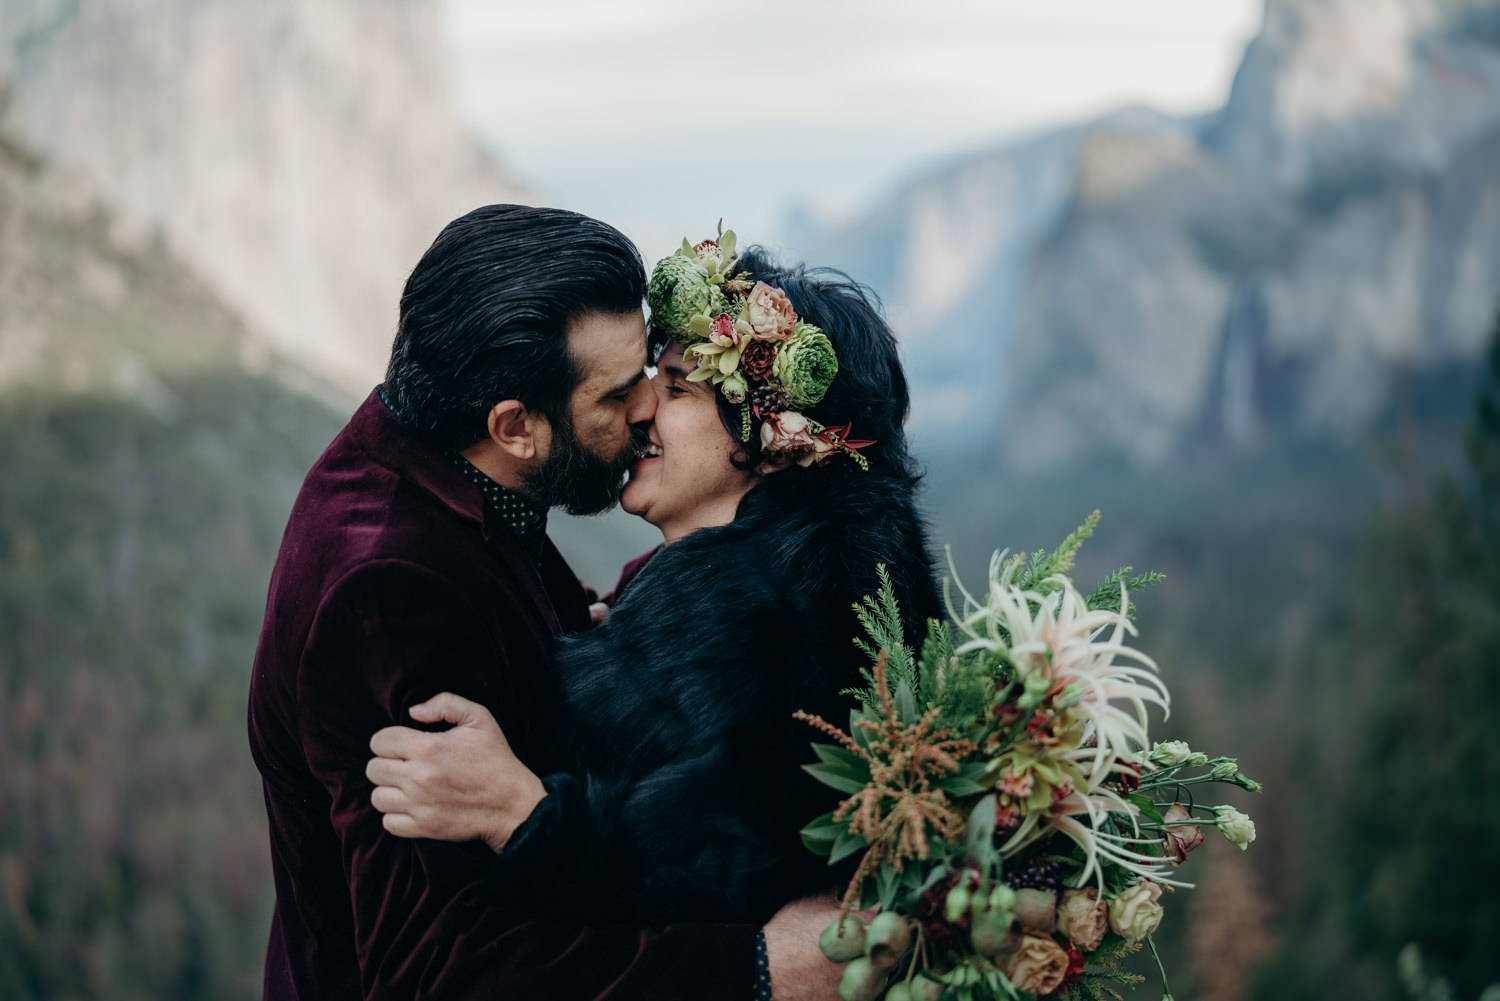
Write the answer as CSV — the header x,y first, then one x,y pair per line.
x,y
772,462
518,431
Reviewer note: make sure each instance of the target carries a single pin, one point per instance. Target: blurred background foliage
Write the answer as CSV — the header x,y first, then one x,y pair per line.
x,y
1270,356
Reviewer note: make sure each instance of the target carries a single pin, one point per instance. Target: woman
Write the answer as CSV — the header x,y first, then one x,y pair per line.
x,y
779,476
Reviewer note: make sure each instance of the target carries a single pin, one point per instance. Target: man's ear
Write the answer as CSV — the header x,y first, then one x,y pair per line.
x,y
517,430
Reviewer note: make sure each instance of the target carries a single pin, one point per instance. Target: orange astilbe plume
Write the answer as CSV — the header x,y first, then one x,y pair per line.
x,y
902,801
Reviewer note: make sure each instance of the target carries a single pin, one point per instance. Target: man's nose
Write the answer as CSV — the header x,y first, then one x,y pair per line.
x,y
640,406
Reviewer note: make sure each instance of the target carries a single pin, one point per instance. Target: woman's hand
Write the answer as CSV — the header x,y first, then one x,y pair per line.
x,y
457,785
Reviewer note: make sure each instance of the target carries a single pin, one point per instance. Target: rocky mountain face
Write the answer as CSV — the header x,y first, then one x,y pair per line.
x,y
1282,269
299,156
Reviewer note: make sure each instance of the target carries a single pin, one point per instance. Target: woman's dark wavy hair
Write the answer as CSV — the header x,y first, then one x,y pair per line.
x,y
485,315
870,391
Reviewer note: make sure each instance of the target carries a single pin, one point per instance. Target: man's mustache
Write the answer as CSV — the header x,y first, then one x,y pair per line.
x,y
640,438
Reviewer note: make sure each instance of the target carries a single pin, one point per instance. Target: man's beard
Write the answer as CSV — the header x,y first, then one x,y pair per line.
x,y
577,479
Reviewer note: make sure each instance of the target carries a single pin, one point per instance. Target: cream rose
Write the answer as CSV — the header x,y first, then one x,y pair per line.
x,y
1038,965
1083,918
1166,753
1235,826
769,313
1137,912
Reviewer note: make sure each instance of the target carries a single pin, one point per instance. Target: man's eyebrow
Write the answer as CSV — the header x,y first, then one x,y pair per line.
x,y
625,386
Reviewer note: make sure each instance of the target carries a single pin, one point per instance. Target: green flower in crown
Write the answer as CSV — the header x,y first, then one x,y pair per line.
x,y
690,285
745,339
806,366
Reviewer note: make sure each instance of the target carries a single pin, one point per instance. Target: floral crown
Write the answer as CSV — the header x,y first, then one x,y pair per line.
x,y
746,339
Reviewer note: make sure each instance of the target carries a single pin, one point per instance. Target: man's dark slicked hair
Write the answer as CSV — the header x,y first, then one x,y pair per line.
x,y
485,315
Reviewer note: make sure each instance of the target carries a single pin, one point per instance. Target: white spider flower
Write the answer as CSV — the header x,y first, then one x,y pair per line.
x,y
1079,653
1077,674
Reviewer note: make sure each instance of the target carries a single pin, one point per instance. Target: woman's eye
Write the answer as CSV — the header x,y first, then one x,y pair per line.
x,y
677,390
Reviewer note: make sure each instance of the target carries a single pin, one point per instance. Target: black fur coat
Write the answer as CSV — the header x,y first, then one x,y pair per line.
x,y
680,791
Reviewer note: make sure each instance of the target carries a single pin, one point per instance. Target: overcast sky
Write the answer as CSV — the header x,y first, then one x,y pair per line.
x,y
662,115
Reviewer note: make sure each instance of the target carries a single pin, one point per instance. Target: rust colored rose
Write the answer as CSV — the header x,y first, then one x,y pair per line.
x,y
1181,839
1083,918
757,359
769,313
1038,965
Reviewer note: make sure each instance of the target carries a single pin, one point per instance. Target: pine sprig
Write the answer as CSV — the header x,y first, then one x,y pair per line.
x,y
1096,983
1060,561
1107,595
880,617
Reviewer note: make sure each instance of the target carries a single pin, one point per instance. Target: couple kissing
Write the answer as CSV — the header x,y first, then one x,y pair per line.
x,y
572,798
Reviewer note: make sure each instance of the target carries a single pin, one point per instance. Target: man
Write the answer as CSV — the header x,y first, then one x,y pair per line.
x,y
416,561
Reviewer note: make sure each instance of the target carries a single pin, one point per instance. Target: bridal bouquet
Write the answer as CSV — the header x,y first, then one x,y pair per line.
x,y
1014,822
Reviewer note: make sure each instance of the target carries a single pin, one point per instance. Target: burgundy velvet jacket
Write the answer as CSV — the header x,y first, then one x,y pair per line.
x,y
394,582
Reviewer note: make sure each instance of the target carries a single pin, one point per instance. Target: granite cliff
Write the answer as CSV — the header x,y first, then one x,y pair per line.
x,y
1284,269
298,156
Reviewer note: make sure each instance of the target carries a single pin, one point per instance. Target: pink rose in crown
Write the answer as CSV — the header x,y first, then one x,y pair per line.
x,y
787,431
769,313
822,448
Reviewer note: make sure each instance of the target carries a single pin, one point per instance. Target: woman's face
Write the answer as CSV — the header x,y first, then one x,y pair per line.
x,y
688,481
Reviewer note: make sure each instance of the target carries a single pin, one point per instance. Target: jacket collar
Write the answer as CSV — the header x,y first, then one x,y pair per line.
x,y
391,444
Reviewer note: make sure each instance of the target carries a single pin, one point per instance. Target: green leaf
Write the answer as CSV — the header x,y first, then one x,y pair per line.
x,y
845,845
957,785
979,831
824,828
885,884
840,777
1147,808
817,846
906,703
835,755
860,734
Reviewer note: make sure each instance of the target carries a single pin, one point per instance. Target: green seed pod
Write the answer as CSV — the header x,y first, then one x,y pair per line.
x,y
1002,898
1037,909
924,988
862,981
899,991
840,948
957,902
991,932
887,939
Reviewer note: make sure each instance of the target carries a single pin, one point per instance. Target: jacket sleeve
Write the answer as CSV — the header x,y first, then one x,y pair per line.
x,y
674,841
669,804
392,634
